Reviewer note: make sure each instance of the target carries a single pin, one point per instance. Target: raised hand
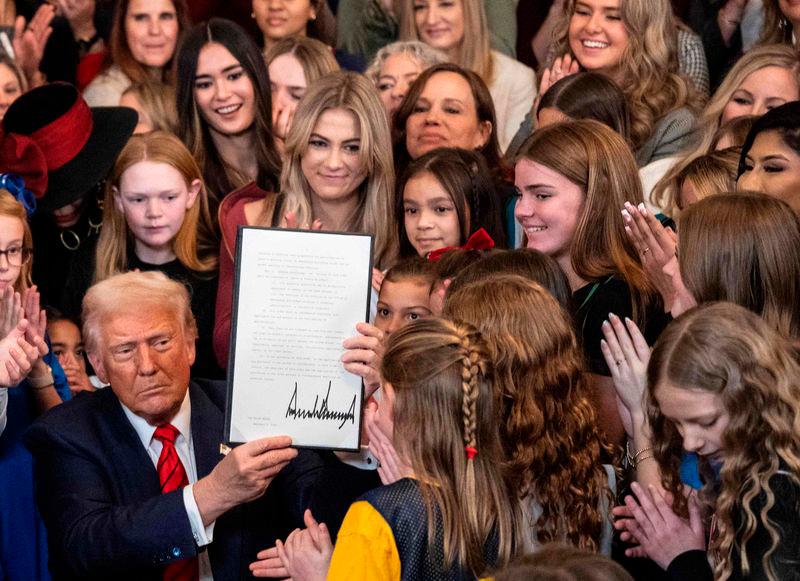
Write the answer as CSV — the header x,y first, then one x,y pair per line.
x,y
290,222
627,354
363,356
29,42
11,311
37,317
563,66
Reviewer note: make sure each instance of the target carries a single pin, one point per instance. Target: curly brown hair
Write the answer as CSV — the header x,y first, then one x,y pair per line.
x,y
727,350
548,426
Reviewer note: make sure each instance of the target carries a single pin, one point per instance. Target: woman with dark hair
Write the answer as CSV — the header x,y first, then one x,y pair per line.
x,y
280,20
443,199
585,95
449,106
144,37
224,98
770,160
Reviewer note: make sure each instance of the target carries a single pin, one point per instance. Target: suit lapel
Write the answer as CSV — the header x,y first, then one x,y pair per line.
x,y
131,462
207,427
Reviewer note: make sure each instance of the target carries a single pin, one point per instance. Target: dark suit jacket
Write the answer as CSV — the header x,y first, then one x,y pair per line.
x,y
99,494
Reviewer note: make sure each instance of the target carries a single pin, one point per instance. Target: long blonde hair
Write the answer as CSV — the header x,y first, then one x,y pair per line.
x,y
315,57
375,212
10,207
548,426
194,245
708,124
727,350
648,71
474,51
441,375
595,158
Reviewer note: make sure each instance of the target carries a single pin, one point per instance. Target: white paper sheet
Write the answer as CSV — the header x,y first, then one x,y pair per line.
x,y
299,294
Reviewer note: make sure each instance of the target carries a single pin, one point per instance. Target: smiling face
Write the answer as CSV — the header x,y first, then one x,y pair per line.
x,y
430,216
761,91
145,356
288,85
549,208
401,303
11,240
597,35
699,416
154,198
151,29
772,167
10,88
279,19
440,23
396,75
332,163
445,115
223,92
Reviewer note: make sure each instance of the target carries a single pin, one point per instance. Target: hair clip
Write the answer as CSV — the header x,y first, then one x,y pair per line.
x,y
480,240
471,452
16,187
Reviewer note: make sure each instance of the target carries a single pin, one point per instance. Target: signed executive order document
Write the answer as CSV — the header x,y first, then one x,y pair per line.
x,y
297,296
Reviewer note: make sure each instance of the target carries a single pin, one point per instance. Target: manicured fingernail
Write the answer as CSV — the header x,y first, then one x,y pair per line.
x,y
612,316
606,324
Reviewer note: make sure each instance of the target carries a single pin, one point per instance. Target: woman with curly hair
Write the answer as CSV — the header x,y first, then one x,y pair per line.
x,y
548,426
635,43
723,384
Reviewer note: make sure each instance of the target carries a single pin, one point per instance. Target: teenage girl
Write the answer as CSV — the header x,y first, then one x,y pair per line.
x,y
156,217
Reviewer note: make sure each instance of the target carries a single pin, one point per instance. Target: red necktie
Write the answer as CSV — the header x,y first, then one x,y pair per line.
x,y
172,476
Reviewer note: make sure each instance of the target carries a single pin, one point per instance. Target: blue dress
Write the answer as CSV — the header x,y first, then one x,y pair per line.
x,y
23,543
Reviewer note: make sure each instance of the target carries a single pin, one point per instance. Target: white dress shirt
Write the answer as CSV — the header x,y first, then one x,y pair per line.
x,y
183,445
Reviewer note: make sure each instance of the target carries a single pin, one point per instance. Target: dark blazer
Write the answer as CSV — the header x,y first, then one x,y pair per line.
x,y
99,494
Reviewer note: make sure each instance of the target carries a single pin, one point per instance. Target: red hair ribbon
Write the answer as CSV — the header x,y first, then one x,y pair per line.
x,y
471,452
480,240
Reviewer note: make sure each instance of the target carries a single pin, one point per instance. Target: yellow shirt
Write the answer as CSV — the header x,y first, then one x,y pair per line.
x,y
365,548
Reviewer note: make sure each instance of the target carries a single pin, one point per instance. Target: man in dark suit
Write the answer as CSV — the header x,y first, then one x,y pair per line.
x,y
129,479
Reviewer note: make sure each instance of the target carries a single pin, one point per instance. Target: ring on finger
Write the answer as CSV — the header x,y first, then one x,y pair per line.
x,y
619,362
646,250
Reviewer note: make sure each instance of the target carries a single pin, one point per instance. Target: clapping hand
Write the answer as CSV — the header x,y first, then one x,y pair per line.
x,y
17,355
11,311
304,556
662,535
562,67
29,42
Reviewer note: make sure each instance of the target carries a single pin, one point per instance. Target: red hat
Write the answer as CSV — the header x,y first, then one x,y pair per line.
x,y
60,146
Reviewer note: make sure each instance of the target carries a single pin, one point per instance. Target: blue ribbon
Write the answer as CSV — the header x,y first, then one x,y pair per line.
x,y
16,186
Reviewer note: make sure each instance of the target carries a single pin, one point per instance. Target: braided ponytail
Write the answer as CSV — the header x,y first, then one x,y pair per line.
x,y
472,365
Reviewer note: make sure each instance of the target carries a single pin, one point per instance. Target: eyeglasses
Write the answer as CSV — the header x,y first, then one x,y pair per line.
x,y
16,255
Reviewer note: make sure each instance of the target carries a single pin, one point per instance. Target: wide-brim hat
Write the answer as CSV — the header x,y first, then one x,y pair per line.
x,y
60,146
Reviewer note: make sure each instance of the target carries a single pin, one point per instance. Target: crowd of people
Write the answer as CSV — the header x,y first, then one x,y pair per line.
x,y
581,356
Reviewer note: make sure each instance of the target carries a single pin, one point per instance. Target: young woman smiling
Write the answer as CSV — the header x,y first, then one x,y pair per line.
x,y
226,114
635,43
281,19
338,176
573,178
459,29
144,37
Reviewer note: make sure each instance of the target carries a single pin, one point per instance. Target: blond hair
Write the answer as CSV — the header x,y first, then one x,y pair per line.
x,y
595,158
159,104
548,426
474,51
138,292
708,124
11,208
194,245
441,376
713,173
727,350
648,72
375,213
315,57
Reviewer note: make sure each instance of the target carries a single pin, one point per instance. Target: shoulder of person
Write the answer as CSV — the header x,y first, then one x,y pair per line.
x,y
237,206
215,389
73,418
511,67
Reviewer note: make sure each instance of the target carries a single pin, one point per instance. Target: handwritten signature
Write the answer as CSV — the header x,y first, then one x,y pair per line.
x,y
322,412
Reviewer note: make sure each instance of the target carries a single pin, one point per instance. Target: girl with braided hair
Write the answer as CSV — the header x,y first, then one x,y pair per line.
x,y
446,512
548,426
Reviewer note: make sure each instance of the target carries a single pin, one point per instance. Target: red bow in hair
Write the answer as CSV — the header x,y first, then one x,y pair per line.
x,y
480,240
